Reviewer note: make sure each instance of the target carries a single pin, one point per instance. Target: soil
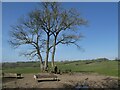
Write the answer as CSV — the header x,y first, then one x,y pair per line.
x,y
65,81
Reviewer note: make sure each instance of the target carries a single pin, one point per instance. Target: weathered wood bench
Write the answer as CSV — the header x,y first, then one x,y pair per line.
x,y
12,75
42,77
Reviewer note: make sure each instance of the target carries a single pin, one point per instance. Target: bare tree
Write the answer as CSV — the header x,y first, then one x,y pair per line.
x,y
63,21
50,22
28,32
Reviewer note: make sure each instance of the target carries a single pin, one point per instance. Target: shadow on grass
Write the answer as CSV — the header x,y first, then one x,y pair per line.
x,y
86,71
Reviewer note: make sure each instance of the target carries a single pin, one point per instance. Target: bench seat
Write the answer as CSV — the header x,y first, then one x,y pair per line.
x,y
12,75
45,77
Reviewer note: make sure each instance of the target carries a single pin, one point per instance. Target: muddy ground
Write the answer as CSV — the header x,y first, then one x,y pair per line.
x,y
65,81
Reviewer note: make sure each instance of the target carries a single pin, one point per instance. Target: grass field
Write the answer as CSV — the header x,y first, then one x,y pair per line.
x,y
109,67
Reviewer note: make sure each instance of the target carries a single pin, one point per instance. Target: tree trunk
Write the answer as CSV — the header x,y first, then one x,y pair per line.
x,y
40,58
41,62
41,66
47,53
53,53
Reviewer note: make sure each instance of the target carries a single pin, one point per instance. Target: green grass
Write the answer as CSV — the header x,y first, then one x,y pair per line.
x,y
106,67
109,68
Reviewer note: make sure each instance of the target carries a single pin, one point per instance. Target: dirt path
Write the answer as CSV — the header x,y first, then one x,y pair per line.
x,y
66,80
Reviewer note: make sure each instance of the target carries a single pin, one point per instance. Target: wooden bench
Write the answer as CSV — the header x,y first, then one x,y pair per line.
x,y
12,75
42,77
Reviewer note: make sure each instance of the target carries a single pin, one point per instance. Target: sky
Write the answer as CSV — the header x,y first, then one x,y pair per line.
x,y
100,36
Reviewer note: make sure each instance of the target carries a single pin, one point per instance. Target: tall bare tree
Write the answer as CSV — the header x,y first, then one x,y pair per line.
x,y
28,32
50,22
62,22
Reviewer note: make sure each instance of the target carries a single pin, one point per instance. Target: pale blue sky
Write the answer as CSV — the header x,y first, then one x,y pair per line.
x,y
101,36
